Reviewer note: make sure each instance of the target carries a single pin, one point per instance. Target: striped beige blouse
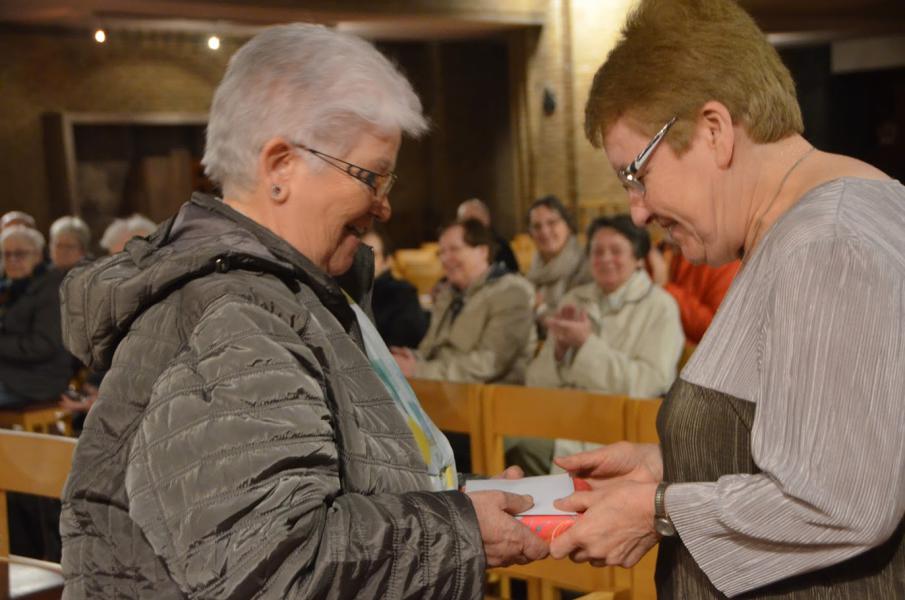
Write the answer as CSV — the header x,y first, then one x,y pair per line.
x,y
813,332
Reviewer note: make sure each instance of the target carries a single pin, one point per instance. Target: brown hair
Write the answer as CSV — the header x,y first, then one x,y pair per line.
x,y
676,55
474,234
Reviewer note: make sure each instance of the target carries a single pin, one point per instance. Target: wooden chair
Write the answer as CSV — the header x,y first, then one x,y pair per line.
x,y
38,418
616,595
32,464
523,247
419,267
641,427
548,413
455,407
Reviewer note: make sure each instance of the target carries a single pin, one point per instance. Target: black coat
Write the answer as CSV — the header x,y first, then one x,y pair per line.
x,y
397,313
33,361
504,253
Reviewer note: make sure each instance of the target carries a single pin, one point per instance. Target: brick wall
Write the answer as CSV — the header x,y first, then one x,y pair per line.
x,y
509,157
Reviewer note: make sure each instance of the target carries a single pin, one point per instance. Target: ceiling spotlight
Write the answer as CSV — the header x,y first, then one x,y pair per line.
x,y
100,36
213,42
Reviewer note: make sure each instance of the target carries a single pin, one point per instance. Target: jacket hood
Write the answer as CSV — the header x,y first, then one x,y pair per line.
x,y
100,300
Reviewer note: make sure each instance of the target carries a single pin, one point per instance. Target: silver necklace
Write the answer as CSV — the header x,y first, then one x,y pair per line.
x,y
760,222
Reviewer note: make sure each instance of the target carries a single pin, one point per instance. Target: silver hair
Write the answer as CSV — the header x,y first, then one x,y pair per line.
x,y
309,85
33,236
72,225
473,203
135,225
17,215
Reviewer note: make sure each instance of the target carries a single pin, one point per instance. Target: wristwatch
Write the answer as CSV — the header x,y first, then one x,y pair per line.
x,y
662,523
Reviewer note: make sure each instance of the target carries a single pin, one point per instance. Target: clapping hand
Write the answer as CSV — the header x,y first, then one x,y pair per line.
x,y
570,327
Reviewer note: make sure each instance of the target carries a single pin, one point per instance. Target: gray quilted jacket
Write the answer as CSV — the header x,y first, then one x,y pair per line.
x,y
241,445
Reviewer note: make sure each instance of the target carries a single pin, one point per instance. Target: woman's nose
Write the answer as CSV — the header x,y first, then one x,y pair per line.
x,y
382,209
640,214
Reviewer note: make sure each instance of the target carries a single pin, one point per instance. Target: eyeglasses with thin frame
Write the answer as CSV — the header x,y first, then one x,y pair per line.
x,y
629,175
16,255
379,183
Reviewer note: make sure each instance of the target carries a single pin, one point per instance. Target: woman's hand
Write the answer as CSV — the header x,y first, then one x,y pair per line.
x,y
641,463
570,327
616,527
506,540
406,360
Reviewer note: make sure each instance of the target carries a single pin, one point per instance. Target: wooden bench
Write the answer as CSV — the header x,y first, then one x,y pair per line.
x,y
515,411
32,464
46,417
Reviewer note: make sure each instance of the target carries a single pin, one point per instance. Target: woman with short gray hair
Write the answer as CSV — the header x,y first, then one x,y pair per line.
x,y
253,436
70,241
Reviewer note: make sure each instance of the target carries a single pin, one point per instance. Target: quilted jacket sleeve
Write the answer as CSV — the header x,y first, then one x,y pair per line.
x,y
234,480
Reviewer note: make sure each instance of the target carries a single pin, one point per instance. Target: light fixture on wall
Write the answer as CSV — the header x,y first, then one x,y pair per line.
x,y
213,42
100,36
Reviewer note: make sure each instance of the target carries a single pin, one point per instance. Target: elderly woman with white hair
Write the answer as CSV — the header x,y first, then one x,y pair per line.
x,y
70,241
253,436
34,366
120,231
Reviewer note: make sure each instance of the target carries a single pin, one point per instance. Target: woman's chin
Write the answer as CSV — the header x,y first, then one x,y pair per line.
x,y
341,260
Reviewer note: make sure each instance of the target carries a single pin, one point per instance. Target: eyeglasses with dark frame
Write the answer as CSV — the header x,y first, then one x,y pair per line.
x,y
379,183
629,175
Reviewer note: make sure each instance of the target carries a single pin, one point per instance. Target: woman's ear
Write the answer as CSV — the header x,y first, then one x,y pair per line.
x,y
715,125
277,161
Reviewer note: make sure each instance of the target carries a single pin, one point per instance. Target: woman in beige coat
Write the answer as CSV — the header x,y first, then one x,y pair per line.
x,y
620,334
481,327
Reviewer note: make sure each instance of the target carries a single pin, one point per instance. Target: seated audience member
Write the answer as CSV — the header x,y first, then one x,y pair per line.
x,y
397,313
70,242
560,263
121,231
16,217
476,209
13,217
481,328
253,436
620,334
698,289
34,366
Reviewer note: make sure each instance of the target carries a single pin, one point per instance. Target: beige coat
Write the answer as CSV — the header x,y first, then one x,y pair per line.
x,y
492,338
634,346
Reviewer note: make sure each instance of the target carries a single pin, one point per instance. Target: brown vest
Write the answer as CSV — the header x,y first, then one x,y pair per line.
x,y
707,434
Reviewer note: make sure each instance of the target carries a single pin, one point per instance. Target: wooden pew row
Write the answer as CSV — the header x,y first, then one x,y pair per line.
x,y
533,412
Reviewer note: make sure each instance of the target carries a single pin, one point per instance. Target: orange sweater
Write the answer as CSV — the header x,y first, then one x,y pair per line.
x,y
698,289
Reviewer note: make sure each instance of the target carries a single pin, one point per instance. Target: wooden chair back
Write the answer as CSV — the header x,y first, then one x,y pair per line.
x,y
549,413
46,417
420,267
37,464
523,247
455,407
